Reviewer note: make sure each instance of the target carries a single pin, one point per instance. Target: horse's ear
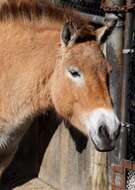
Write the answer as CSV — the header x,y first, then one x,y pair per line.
x,y
68,35
105,31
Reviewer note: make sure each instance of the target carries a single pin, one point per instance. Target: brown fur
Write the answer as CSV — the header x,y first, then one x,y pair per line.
x,y
41,10
32,69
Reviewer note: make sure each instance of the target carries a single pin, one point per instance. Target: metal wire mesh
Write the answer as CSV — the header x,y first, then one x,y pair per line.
x,y
123,175
130,181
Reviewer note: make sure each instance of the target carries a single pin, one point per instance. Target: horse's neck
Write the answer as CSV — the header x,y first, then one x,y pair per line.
x,y
30,61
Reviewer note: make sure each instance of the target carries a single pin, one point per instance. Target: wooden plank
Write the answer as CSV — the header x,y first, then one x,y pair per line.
x,y
71,162
63,157
34,184
63,166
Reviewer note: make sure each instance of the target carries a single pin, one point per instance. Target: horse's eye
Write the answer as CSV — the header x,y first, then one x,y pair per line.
x,y
74,73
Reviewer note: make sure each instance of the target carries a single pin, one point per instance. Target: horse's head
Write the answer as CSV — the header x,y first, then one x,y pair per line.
x,y
80,86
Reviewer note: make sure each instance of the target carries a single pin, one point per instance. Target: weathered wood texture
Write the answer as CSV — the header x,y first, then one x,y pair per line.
x,y
114,54
35,184
64,159
69,163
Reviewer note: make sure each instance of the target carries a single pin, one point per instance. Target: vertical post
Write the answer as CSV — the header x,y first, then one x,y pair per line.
x,y
125,106
114,47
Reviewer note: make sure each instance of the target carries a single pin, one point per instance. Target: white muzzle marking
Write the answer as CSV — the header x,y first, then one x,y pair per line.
x,y
101,116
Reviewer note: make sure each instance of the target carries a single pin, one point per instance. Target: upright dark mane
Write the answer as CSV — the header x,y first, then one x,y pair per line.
x,y
39,9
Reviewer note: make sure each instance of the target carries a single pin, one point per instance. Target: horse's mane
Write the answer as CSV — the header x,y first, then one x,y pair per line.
x,y
38,10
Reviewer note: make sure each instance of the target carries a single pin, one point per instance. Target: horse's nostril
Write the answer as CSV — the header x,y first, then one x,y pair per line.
x,y
103,132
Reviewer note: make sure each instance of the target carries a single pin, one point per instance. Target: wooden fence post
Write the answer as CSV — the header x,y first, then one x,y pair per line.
x,y
114,47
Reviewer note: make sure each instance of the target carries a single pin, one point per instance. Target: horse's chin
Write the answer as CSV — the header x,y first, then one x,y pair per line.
x,y
104,148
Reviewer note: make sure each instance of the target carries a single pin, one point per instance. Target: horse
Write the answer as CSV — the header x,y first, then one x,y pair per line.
x,y
51,59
